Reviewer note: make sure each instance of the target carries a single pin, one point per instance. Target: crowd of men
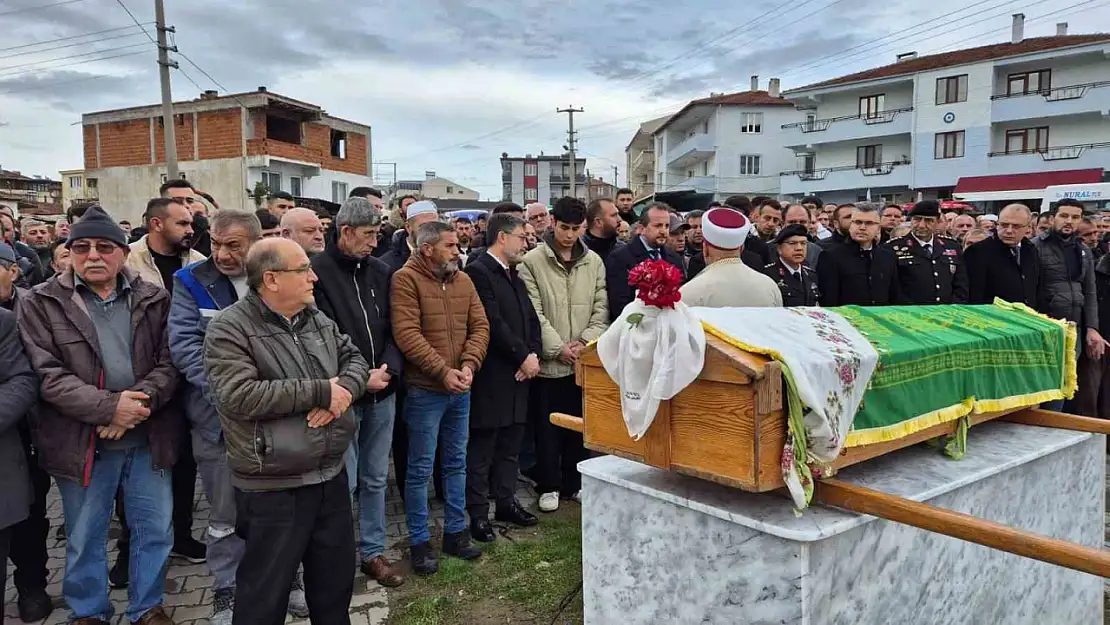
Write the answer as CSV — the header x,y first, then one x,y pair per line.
x,y
284,355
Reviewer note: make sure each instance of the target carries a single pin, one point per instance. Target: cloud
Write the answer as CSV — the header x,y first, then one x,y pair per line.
x,y
448,85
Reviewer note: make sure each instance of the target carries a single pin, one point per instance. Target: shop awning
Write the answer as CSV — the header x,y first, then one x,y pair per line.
x,y
1029,186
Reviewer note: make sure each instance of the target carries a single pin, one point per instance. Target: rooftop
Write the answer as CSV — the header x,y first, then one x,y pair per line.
x,y
15,175
211,100
962,57
740,98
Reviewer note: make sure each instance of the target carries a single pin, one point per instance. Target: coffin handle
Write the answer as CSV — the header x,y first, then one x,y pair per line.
x,y
568,422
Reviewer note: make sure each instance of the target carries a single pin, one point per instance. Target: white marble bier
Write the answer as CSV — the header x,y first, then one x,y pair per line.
x,y
663,548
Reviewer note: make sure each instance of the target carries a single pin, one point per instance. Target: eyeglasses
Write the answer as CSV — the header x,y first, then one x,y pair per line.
x,y
104,248
305,268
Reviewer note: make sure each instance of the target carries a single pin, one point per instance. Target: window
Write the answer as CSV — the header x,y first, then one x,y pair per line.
x,y
295,186
868,156
338,191
872,105
750,164
811,121
952,89
705,168
338,143
689,173
75,182
1027,140
809,163
529,169
91,182
450,189
705,127
282,129
166,177
949,145
530,194
752,124
272,180
506,193
1029,82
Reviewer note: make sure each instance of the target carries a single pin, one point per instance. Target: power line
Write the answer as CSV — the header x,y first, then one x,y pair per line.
x,y
34,70
70,45
209,77
189,78
72,56
137,23
39,43
40,7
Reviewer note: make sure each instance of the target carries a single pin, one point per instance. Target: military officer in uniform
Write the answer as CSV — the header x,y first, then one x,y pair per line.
x,y
930,267
796,280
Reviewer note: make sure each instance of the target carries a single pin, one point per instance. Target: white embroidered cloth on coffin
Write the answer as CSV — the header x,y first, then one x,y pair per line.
x,y
828,365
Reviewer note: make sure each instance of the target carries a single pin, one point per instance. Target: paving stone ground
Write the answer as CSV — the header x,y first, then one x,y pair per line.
x,y
189,586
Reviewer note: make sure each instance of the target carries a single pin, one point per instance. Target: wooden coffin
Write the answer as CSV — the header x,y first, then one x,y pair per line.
x,y
728,427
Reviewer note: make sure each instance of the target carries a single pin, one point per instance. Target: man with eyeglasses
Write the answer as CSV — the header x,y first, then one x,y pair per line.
x,y
352,289
282,378
857,271
1005,265
930,267
106,423
200,291
303,227
539,217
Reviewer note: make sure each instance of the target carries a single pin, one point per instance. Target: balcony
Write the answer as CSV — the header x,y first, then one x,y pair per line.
x,y
565,178
691,150
1064,157
644,159
849,128
879,175
1081,99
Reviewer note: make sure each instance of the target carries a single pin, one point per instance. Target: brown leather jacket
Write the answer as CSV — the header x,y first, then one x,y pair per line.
x,y
438,325
60,339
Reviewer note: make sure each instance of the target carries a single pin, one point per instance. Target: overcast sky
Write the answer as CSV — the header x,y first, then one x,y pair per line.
x,y
448,87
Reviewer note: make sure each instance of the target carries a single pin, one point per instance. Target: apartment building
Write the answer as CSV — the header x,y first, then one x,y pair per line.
x,y
994,123
726,144
434,187
528,178
33,195
639,157
77,187
226,145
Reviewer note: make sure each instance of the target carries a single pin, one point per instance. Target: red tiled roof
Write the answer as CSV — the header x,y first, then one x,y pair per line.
x,y
740,98
1018,182
963,57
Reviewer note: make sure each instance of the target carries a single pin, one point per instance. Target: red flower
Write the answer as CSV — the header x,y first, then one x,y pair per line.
x,y
847,376
656,283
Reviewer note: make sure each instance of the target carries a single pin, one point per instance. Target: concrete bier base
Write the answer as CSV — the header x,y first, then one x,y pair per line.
x,y
659,547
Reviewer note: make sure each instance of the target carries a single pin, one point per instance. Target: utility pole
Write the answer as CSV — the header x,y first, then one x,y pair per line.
x,y
616,177
164,65
571,140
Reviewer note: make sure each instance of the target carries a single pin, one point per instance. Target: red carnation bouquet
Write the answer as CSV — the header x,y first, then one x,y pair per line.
x,y
656,283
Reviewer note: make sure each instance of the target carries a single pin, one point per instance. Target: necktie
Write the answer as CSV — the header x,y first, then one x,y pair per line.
x,y
928,250
1016,252
653,254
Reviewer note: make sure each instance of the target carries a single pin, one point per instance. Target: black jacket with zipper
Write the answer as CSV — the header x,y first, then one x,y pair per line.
x,y
354,293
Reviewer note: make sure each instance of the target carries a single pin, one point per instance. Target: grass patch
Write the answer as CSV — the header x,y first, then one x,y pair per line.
x,y
525,580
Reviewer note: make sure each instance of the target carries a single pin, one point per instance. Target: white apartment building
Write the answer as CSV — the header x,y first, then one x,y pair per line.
x,y
994,123
526,179
726,144
639,157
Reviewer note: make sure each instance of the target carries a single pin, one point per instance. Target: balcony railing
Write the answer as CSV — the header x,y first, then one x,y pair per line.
x,y
566,178
1057,94
880,117
643,157
873,169
1058,153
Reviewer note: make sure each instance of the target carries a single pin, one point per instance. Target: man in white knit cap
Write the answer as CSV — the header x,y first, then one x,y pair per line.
x,y
727,281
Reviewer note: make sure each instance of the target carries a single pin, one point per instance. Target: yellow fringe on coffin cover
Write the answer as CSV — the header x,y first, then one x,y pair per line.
x,y
856,438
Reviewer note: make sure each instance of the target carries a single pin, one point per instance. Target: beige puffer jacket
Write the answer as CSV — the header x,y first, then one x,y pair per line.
x,y
571,303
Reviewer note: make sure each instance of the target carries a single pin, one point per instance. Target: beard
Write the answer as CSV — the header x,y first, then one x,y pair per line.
x,y
447,269
184,245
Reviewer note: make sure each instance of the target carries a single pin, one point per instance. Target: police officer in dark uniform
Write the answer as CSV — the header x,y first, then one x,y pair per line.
x,y
796,280
930,267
